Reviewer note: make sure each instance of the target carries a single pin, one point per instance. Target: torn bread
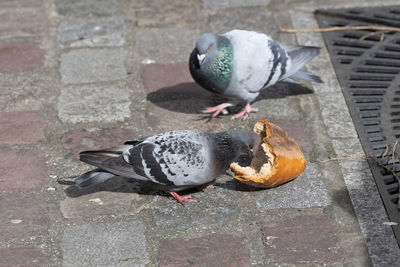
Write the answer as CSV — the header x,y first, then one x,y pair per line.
x,y
278,158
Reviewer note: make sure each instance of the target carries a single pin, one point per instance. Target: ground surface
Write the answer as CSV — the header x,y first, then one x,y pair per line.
x,y
78,75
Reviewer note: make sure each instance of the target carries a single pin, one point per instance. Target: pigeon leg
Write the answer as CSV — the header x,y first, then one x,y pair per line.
x,y
204,186
182,199
218,109
245,112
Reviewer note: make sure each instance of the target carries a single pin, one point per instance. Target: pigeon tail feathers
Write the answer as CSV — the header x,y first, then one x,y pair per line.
x,y
307,76
93,177
300,56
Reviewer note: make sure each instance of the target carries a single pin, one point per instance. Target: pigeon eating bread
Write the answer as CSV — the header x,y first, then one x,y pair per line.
x,y
277,160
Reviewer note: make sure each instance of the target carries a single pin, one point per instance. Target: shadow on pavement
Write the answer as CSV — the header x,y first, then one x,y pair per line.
x,y
191,99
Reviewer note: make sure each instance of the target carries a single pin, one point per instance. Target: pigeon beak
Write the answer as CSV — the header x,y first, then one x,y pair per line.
x,y
201,57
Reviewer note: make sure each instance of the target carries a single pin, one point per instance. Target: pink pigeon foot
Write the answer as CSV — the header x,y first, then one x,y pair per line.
x,y
204,186
245,112
182,199
218,109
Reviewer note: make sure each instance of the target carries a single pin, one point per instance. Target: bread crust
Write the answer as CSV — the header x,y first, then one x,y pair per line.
x,y
278,158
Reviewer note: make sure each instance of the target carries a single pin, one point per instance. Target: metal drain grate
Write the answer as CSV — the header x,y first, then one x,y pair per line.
x,y
368,66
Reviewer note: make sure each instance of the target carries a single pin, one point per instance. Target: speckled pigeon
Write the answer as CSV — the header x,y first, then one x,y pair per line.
x,y
240,63
173,161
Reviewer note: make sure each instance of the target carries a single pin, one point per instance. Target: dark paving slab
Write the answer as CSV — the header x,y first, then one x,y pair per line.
x,y
211,250
302,240
105,244
78,8
26,256
97,32
22,127
23,217
80,140
295,129
305,191
16,176
15,57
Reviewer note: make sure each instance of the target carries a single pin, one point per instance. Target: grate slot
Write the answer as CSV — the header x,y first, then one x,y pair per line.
x,y
382,63
358,35
370,130
367,92
370,122
390,180
370,78
369,85
355,53
369,115
391,48
369,107
351,44
386,55
368,100
376,70
345,60
393,190
378,138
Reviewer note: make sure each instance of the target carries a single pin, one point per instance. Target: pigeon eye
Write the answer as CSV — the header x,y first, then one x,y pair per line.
x,y
209,47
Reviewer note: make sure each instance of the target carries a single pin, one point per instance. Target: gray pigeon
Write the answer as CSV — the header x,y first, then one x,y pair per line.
x,y
241,63
173,161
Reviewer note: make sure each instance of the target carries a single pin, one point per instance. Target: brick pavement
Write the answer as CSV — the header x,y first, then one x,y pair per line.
x,y
87,74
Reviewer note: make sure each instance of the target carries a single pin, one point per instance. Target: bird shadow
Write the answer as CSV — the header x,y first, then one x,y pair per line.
x,y
190,98
115,184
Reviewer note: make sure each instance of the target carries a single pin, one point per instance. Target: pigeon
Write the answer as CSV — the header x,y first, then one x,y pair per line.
x,y
172,161
240,63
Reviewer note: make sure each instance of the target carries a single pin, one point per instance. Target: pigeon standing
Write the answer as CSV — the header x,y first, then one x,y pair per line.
x,y
173,161
240,63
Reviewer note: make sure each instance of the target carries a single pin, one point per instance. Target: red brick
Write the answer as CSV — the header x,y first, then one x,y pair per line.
x,y
15,57
81,140
30,209
170,78
22,170
212,250
26,127
302,239
21,257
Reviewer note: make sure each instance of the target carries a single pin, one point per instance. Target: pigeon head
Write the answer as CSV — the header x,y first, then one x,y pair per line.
x,y
231,145
211,62
206,47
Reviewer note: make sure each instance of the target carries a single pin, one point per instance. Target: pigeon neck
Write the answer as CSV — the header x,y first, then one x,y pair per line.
x,y
215,74
226,149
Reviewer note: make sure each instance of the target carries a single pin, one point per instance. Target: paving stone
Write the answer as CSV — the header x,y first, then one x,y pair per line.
x,y
215,207
83,8
251,19
297,132
211,250
170,78
233,3
305,191
98,204
93,104
163,46
23,216
91,32
15,57
95,65
302,240
105,244
171,13
81,140
22,170
25,127
22,18
27,256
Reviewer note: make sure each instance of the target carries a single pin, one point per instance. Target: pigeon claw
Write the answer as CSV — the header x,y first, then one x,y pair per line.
x,y
218,109
182,199
245,112
204,186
